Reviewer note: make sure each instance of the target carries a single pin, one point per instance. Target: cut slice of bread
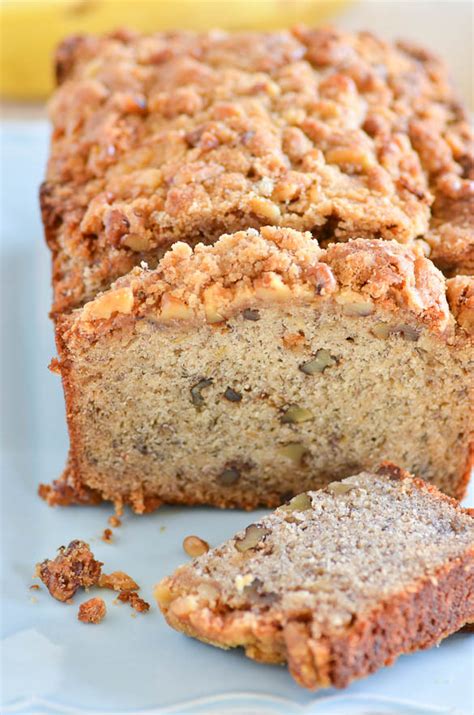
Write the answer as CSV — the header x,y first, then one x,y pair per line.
x,y
240,373
337,582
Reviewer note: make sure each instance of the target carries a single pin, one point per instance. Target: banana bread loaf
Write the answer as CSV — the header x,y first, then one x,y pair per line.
x,y
242,372
181,136
337,583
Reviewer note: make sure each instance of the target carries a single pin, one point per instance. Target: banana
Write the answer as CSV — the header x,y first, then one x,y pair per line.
x,y
32,29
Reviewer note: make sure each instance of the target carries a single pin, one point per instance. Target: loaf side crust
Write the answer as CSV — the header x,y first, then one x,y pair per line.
x,y
182,136
400,625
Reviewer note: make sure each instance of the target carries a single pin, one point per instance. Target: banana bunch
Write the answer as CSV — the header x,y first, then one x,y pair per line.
x,y
31,29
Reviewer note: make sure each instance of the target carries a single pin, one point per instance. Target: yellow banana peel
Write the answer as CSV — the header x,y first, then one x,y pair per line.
x,y
31,29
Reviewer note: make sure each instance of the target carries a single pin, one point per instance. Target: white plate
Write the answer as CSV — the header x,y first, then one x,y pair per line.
x,y
51,663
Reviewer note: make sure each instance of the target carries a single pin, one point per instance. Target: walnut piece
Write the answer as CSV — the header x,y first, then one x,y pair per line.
x,y
251,314
173,308
195,546
92,611
242,582
294,451
295,414
271,287
322,360
118,581
351,157
252,537
353,304
196,396
74,567
264,208
232,395
383,331
136,242
338,488
114,301
407,331
228,476
301,502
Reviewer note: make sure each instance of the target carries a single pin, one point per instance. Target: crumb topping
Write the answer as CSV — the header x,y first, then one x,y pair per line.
x,y
107,536
92,611
182,136
132,598
74,567
243,270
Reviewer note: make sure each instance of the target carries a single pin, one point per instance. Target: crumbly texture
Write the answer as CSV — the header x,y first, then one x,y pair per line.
x,y
63,492
74,567
134,600
92,611
240,373
182,136
107,536
118,581
338,582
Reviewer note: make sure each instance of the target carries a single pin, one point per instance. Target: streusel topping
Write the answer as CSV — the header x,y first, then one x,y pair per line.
x,y
182,136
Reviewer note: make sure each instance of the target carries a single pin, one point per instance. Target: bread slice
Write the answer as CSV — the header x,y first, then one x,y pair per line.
x,y
182,136
238,374
338,582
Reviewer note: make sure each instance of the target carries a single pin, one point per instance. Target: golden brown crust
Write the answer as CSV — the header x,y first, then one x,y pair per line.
x,y
416,617
212,283
315,660
178,136
403,624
